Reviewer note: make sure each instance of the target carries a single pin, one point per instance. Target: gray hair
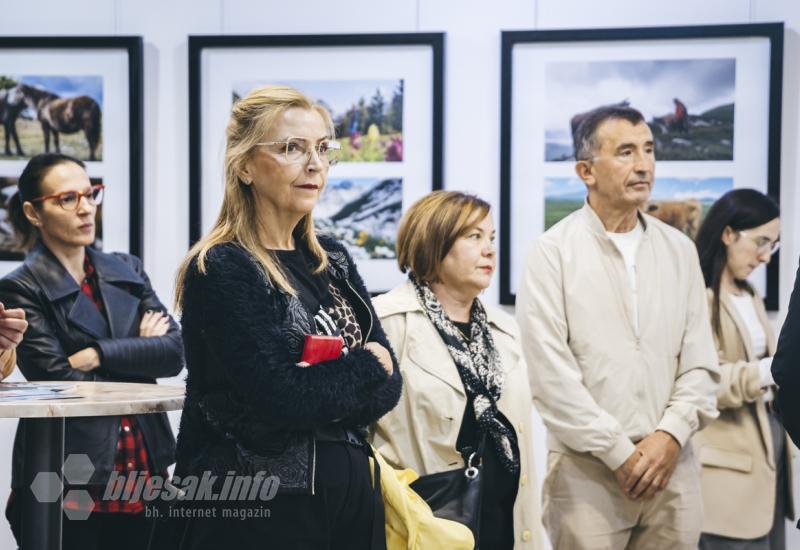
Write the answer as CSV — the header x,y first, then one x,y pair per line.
x,y
585,136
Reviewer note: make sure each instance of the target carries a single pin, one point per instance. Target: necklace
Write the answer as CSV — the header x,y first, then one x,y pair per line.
x,y
466,335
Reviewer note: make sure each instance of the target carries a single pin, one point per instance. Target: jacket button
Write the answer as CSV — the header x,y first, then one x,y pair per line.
x,y
126,429
526,535
523,479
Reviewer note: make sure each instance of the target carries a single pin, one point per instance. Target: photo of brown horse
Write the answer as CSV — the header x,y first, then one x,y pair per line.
x,y
10,109
63,115
68,109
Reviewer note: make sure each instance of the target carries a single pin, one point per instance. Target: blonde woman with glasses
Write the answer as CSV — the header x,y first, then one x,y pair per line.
x,y
745,458
253,291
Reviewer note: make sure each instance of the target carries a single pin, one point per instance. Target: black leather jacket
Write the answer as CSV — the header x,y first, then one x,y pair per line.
x,y
785,369
248,407
63,320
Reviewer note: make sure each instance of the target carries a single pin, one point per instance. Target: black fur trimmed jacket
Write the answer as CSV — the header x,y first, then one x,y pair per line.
x,y
248,407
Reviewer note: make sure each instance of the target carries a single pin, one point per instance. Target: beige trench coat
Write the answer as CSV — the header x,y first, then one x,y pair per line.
x,y
735,450
421,432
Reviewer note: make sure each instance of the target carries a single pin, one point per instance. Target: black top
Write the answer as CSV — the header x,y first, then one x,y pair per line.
x,y
499,485
312,289
333,314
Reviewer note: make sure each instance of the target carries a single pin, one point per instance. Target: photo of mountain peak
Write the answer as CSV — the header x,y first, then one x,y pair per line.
x,y
362,213
688,103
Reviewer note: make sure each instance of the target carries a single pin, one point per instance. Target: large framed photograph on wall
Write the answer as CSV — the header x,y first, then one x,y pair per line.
x,y
712,98
80,96
384,92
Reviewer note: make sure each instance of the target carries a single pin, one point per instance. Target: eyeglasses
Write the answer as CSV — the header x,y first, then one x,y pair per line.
x,y
69,200
763,244
298,150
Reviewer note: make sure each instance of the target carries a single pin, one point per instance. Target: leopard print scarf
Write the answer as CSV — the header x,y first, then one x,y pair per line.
x,y
478,364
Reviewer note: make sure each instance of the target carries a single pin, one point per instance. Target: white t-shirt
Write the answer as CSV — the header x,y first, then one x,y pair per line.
x,y
628,246
747,311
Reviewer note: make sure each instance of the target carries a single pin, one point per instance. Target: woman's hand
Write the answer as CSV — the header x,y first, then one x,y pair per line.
x,y
85,360
12,327
154,323
382,354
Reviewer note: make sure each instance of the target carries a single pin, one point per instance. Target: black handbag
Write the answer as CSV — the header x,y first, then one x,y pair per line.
x,y
456,494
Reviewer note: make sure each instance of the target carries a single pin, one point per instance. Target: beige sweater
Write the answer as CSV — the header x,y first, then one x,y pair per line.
x,y
598,387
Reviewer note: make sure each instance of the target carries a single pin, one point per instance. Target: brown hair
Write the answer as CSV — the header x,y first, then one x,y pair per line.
x,y
251,119
430,227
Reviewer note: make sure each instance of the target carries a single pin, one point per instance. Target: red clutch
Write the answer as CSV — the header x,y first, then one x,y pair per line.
x,y
321,348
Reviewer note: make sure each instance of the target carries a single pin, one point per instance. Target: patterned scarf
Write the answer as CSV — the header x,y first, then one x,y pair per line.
x,y
478,364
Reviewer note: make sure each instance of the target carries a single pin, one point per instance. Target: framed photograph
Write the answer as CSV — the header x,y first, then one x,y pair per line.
x,y
80,96
711,95
384,92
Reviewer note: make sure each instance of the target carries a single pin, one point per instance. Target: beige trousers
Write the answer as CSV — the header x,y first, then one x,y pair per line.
x,y
585,509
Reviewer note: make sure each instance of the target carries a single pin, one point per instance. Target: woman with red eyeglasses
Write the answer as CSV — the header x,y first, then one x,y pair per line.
x,y
92,316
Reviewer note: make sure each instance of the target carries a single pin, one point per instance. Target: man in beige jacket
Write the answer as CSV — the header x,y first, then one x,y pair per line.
x,y
615,331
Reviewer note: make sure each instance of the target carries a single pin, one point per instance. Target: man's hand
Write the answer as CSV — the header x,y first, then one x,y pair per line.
x,y
12,326
85,360
659,456
624,472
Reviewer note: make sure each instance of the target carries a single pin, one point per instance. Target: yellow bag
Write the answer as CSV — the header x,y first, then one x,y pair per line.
x,y
410,523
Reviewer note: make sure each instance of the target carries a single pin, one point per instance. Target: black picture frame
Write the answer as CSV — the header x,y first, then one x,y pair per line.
x,y
772,32
202,43
134,50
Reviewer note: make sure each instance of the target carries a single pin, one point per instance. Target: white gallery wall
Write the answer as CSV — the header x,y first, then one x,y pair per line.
x,y
472,93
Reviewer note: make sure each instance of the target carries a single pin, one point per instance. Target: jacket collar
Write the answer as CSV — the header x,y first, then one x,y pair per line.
x,y
730,308
57,284
403,299
596,224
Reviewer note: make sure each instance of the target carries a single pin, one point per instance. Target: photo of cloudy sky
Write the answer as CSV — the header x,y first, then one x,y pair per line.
x,y
706,87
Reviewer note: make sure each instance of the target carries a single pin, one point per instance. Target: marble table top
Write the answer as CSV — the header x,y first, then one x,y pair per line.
x,y
99,399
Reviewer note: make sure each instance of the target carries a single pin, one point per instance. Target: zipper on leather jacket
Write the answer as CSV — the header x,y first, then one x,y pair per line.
x,y
369,311
313,462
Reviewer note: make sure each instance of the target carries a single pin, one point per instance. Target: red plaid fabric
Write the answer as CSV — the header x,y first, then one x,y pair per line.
x,y
131,453
131,457
90,287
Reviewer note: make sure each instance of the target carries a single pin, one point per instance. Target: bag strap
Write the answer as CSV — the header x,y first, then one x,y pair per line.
x,y
472,455
378,539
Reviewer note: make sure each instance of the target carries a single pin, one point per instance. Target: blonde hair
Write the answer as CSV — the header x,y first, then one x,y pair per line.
x,y
251,119
431,226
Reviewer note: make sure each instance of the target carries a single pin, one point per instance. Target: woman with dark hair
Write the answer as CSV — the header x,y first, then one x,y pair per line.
x,y
745,459
92,316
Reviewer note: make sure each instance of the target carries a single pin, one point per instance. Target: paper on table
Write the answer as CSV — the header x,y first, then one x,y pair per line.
x,y
14,391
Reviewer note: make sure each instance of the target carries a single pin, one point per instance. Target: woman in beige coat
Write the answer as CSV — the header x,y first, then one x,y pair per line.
x,y
746,462
462,366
